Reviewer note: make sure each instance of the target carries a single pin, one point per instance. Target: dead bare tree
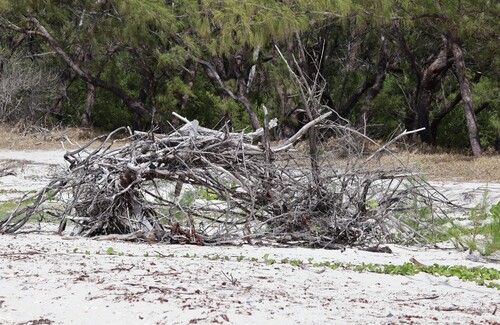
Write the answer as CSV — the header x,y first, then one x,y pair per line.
x,y
26,90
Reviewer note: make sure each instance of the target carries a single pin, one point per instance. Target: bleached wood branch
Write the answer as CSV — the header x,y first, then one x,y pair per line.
x,y
384,147
300,133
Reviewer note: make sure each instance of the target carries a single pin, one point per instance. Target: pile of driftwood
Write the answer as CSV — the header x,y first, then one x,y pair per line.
x,y
205,186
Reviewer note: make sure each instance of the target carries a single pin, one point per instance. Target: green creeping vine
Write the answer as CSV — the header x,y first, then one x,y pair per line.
x,y
481,275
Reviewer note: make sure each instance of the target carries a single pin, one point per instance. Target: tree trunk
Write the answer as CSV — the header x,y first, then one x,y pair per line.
x,y
497,142
243,91
423,103
428,79
67,80
465,91
251,113
89,106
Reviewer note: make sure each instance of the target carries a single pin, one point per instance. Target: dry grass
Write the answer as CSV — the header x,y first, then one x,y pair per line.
x,y
449,166
458,167
37,138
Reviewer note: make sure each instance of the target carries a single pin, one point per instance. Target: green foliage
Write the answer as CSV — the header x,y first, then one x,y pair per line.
x,y
389,107
372,204
188,198
108,114
207,194
227,26
6,208
482,233
492,230
147,22
426,224
147,50
269,261
480,275
453,132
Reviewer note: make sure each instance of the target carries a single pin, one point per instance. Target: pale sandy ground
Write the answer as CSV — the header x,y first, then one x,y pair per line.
x,y
49,279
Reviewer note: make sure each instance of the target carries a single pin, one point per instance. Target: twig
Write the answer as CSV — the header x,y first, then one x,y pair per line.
x,y
231,279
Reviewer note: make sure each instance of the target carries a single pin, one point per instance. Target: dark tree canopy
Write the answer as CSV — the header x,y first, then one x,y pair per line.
x,y
431,65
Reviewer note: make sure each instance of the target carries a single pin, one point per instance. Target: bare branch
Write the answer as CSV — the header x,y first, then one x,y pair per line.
x,y
215,75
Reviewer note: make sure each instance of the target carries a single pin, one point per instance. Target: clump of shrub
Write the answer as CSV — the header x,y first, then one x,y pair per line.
x,y
483,232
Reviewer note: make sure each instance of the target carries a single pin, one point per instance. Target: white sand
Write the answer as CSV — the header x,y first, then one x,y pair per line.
x,y
48,279
42,277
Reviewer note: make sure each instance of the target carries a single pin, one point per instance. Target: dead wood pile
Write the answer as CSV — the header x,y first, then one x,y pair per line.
x,y
204,186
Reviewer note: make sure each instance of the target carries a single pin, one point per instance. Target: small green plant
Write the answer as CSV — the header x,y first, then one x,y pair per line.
x,y
110,251
423,221
482,234
267,260
214,257
493,230
372,204
316,228
188,198
208,194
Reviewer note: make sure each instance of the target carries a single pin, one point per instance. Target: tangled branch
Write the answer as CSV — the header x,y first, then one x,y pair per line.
x,y
204,186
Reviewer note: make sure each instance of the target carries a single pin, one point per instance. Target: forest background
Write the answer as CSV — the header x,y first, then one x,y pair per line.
x,y
379,65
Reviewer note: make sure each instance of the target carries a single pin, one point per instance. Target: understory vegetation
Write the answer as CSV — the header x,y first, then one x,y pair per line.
x,y
481,230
